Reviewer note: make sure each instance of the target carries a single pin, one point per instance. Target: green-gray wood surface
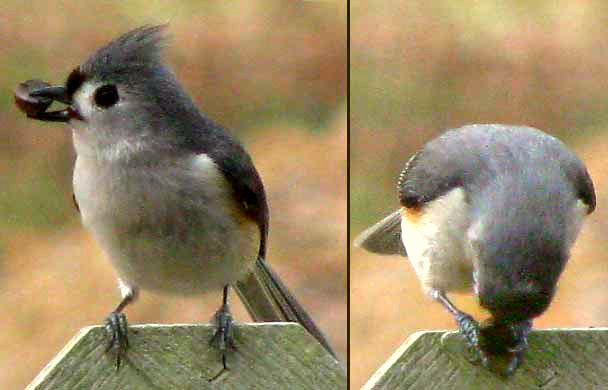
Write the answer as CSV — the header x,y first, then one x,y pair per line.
x,y
268,356
570,359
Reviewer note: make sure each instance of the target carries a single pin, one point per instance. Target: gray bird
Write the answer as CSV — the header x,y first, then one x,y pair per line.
x,y
172,198
493,210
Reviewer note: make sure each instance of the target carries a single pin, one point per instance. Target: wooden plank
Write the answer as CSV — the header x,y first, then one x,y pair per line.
x,y
268,356
557,359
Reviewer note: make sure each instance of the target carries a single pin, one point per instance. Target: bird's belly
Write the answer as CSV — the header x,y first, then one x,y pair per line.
x,y
205,258
434,238
172,231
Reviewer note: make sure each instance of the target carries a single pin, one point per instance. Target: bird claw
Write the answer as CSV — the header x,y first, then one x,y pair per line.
x,y
117,328
514,363
223,338
499,346
469,328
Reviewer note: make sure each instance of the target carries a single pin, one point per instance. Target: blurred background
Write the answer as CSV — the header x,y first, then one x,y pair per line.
x,y
419,68
274,72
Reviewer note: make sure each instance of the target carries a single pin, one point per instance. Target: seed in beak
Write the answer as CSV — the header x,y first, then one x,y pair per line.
x,y
31,105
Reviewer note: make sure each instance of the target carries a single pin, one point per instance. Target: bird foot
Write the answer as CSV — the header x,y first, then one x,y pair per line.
x,y
117,329
223,339
469,328
505,345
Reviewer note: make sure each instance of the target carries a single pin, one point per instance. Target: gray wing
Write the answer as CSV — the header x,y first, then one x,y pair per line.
x,y
443,164
470,157
474,155
427,175
384,237
577,173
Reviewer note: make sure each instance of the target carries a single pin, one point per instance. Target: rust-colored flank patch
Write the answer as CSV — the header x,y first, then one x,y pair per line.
x,y
412,214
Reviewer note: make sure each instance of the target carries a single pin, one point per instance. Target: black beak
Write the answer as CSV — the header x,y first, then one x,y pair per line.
x,y
56,92
34,96
56,116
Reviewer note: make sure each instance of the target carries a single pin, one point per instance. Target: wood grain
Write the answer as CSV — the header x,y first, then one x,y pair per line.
x,y
557,359
268,356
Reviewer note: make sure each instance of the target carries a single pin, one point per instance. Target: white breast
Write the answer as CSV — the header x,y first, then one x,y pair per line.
x,y
434,238
171,226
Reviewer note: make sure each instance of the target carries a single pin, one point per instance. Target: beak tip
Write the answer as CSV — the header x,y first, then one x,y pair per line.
x,y
34,97
57,92
27,101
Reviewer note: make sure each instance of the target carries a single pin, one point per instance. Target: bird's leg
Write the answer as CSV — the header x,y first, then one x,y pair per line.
x,y
520,345
223,338
467,325
116,323
520,336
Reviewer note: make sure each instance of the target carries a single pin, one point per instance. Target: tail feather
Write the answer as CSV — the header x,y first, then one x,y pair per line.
x,y
268,299
384,237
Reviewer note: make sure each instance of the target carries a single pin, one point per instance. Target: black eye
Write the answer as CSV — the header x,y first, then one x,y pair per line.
x,y
106,96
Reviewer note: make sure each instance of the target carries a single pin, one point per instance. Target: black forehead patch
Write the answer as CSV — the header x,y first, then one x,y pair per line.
x,y
74,81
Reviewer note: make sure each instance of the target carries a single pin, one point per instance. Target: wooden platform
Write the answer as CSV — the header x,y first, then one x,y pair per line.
x,y
268,356
557,359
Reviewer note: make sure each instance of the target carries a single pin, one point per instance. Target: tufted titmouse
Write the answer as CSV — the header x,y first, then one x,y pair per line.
x,y
173,199
493,209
